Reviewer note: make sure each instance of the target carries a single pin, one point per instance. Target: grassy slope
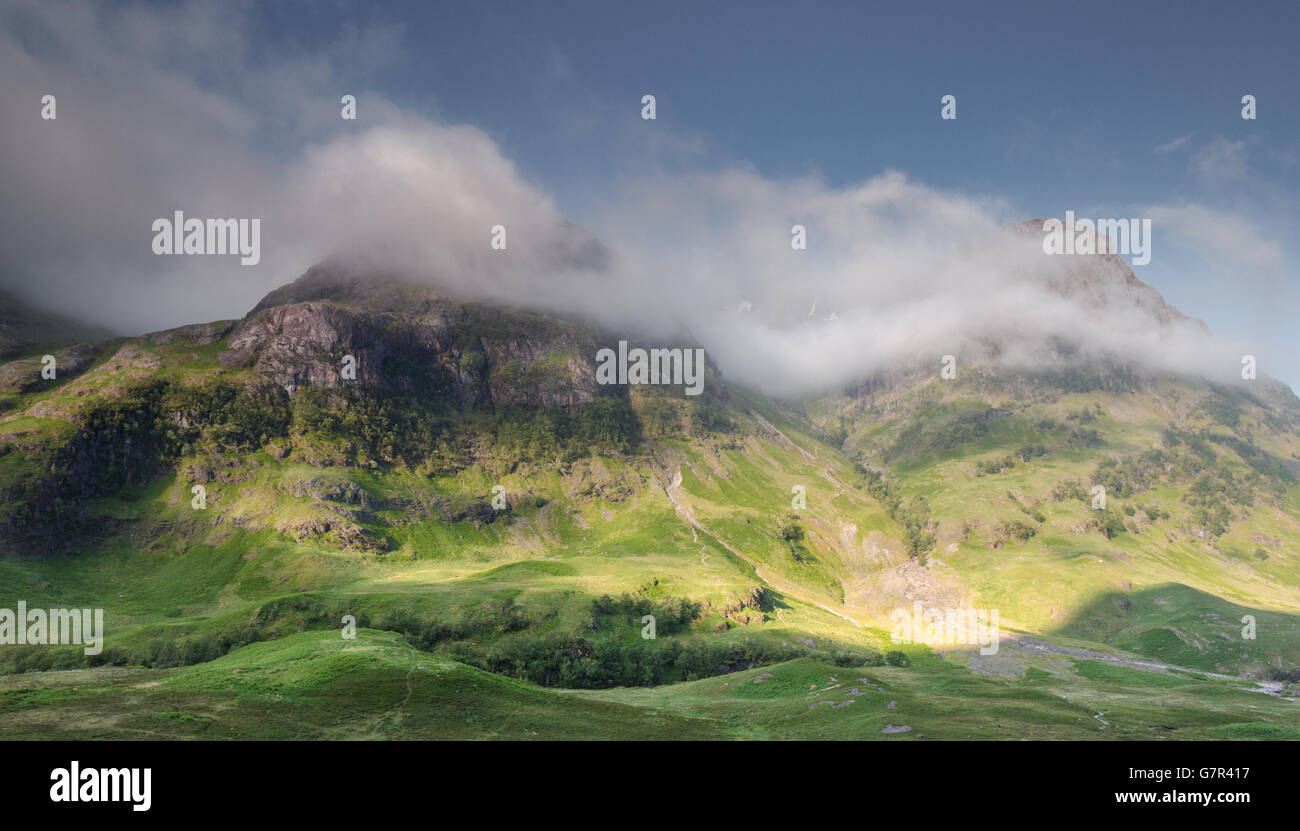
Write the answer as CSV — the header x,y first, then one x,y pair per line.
x,y
316,685
1163,592
174,573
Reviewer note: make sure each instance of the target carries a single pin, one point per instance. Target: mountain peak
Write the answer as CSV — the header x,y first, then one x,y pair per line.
x,y
334,283
1102,281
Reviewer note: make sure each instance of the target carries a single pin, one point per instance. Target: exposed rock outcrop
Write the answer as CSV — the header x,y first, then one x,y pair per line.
x,y
411,339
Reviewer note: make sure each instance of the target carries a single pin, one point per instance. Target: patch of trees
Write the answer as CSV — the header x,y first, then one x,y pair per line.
x,y
1273,470
1211,494
913,514
385,427
951,426
1031,451
573,661
868,658
792,534
1275,673
1079,435
671,614
127,440
490,619
1195,442
1221,410
835,434
397,428
219,415
1068,489
659,417
1220,485
555,434
750,606
706,414
415,375
1015,529
1085,436
157,654
284,617
1083,415
995,466
1108,522
500,638
1090,378
1127,476
663,415
1153,513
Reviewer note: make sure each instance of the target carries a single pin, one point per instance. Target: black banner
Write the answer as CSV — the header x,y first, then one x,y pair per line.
x,y
144,782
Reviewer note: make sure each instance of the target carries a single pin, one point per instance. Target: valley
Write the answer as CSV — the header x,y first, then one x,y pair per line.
x,y
770,540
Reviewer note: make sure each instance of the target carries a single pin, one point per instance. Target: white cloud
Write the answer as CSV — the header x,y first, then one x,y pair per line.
x,y
1229,240
1174,144
1220,163
910,273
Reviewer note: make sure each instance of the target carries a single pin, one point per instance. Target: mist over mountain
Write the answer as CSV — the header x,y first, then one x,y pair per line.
x,y
792,322
803,322
24,328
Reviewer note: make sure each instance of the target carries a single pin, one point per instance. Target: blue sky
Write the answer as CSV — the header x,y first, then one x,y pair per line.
x,y
1053,104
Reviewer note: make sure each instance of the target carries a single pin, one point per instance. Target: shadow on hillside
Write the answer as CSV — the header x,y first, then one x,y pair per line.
x,y
1181,625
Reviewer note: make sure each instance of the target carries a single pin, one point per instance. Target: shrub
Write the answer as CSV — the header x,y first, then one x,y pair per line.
x,y
897,658
1017,529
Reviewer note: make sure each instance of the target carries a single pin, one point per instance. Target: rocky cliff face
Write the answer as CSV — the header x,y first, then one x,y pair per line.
x,y
1102,281
24,374
409,339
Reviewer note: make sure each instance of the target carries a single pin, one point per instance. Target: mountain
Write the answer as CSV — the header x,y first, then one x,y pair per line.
x,y
498,526
1101,281
24,329
30,332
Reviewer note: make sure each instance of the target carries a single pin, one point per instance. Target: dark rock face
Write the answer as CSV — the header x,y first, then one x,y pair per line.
x,y
202,333
25,375
411,339
349,493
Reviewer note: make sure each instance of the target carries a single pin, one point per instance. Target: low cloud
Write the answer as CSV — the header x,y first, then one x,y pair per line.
x,y
895,273
1225,238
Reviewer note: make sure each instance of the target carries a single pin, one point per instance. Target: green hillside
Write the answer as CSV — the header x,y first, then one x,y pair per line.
x,y
770,541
